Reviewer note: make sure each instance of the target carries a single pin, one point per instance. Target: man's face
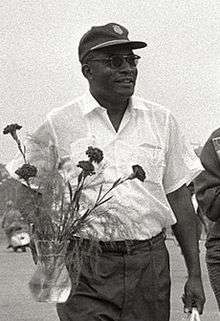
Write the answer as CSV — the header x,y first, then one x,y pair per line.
x,y
108,81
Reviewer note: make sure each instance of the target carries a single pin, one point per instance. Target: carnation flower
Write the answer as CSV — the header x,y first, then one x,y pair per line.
x,y
94,154
11,129
87,167
138,173
26,171
62,214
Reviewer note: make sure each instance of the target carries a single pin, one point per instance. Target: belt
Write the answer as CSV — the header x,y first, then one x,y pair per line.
x,y
120,247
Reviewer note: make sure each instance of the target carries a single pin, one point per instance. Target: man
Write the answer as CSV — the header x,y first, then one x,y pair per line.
x,y
207,187
126,282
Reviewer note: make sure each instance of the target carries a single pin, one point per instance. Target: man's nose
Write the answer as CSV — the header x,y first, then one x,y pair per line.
x,y
127,67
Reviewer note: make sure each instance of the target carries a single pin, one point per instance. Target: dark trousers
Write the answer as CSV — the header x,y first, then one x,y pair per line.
x,y
213,266
128,283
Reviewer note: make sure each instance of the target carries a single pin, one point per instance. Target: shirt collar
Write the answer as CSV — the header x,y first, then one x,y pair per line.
x,y
90,104
136,103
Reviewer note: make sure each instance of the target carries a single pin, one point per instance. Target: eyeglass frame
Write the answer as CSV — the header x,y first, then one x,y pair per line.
x,y
125,57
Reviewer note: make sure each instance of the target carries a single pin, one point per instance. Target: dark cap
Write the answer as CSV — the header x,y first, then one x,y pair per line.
x,y
108,35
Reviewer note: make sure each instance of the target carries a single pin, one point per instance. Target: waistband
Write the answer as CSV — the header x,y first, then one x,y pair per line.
x,y
121,247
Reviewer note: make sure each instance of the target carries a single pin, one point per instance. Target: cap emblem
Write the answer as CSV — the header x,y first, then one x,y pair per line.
x,y
118,29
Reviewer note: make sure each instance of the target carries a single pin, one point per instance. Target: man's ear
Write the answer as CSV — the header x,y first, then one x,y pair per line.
x,y
87,72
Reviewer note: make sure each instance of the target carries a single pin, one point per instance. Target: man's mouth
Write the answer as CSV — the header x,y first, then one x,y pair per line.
x,y
125,81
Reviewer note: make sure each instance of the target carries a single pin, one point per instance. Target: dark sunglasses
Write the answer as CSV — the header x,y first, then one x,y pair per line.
x,y
116,61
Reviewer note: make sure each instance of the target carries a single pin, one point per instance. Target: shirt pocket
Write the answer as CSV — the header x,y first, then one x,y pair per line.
x,y
151,159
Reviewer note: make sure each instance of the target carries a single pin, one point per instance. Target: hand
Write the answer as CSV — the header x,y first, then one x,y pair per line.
x,y
193,294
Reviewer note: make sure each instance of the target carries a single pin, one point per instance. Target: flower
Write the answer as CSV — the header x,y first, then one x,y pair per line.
x,y
94,154
26,171
58,213
87,167
11,129
56,210
138,172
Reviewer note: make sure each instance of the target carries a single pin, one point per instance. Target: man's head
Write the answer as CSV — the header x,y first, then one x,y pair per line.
x,y
108,61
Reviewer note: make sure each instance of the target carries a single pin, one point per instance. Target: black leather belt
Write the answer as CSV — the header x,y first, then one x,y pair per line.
x,y
121,247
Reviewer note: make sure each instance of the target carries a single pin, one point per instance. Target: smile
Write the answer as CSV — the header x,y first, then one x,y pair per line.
x,y
125,80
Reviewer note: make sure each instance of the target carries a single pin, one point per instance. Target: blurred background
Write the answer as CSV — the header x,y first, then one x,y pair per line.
x,y
39,67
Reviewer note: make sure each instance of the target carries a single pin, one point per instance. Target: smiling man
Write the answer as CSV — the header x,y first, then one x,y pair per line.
x,y
129,279
134,283
110,68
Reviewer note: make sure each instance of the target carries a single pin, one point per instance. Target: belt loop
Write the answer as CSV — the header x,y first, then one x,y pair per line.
x,y
151,243
128,248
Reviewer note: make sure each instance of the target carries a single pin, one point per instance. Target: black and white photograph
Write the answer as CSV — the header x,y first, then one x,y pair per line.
x,y
110,160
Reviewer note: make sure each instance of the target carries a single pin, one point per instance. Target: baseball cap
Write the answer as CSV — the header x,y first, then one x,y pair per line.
x,y
111,34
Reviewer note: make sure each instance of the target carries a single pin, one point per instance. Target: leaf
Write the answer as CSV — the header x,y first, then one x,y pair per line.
x,y
70,191
106,200
80,176
99,194
116,183
85,215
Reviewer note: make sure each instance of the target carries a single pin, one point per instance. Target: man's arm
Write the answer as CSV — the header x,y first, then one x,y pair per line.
x,y
185,232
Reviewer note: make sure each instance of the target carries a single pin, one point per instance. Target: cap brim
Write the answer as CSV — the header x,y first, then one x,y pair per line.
x,y
131,44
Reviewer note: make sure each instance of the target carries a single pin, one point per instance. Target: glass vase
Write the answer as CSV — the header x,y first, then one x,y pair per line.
x,y
51,281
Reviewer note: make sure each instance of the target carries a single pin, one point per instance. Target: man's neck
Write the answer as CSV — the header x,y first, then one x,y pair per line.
x,y
115,108
114,105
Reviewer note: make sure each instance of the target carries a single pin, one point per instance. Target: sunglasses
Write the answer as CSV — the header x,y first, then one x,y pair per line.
x,y
116,61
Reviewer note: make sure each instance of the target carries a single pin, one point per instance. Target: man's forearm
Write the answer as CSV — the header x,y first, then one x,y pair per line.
x,y
185,230
185,233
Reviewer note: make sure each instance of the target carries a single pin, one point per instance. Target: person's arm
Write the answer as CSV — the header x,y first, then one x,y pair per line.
x,y
207,184
185,232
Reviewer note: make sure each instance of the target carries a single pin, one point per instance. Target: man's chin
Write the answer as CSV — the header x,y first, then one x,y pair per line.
x,y
125,92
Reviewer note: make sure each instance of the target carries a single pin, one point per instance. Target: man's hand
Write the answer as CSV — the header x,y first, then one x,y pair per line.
x,y
193,295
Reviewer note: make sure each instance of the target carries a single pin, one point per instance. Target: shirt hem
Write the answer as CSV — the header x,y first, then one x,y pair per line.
x,y
186,180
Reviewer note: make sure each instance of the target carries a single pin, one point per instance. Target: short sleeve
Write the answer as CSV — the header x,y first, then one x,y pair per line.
x,y
181,162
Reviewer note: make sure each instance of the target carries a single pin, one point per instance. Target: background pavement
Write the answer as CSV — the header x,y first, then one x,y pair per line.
x,y
16,303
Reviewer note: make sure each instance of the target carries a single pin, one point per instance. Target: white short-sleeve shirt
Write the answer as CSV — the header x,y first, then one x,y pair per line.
x,y
148,136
